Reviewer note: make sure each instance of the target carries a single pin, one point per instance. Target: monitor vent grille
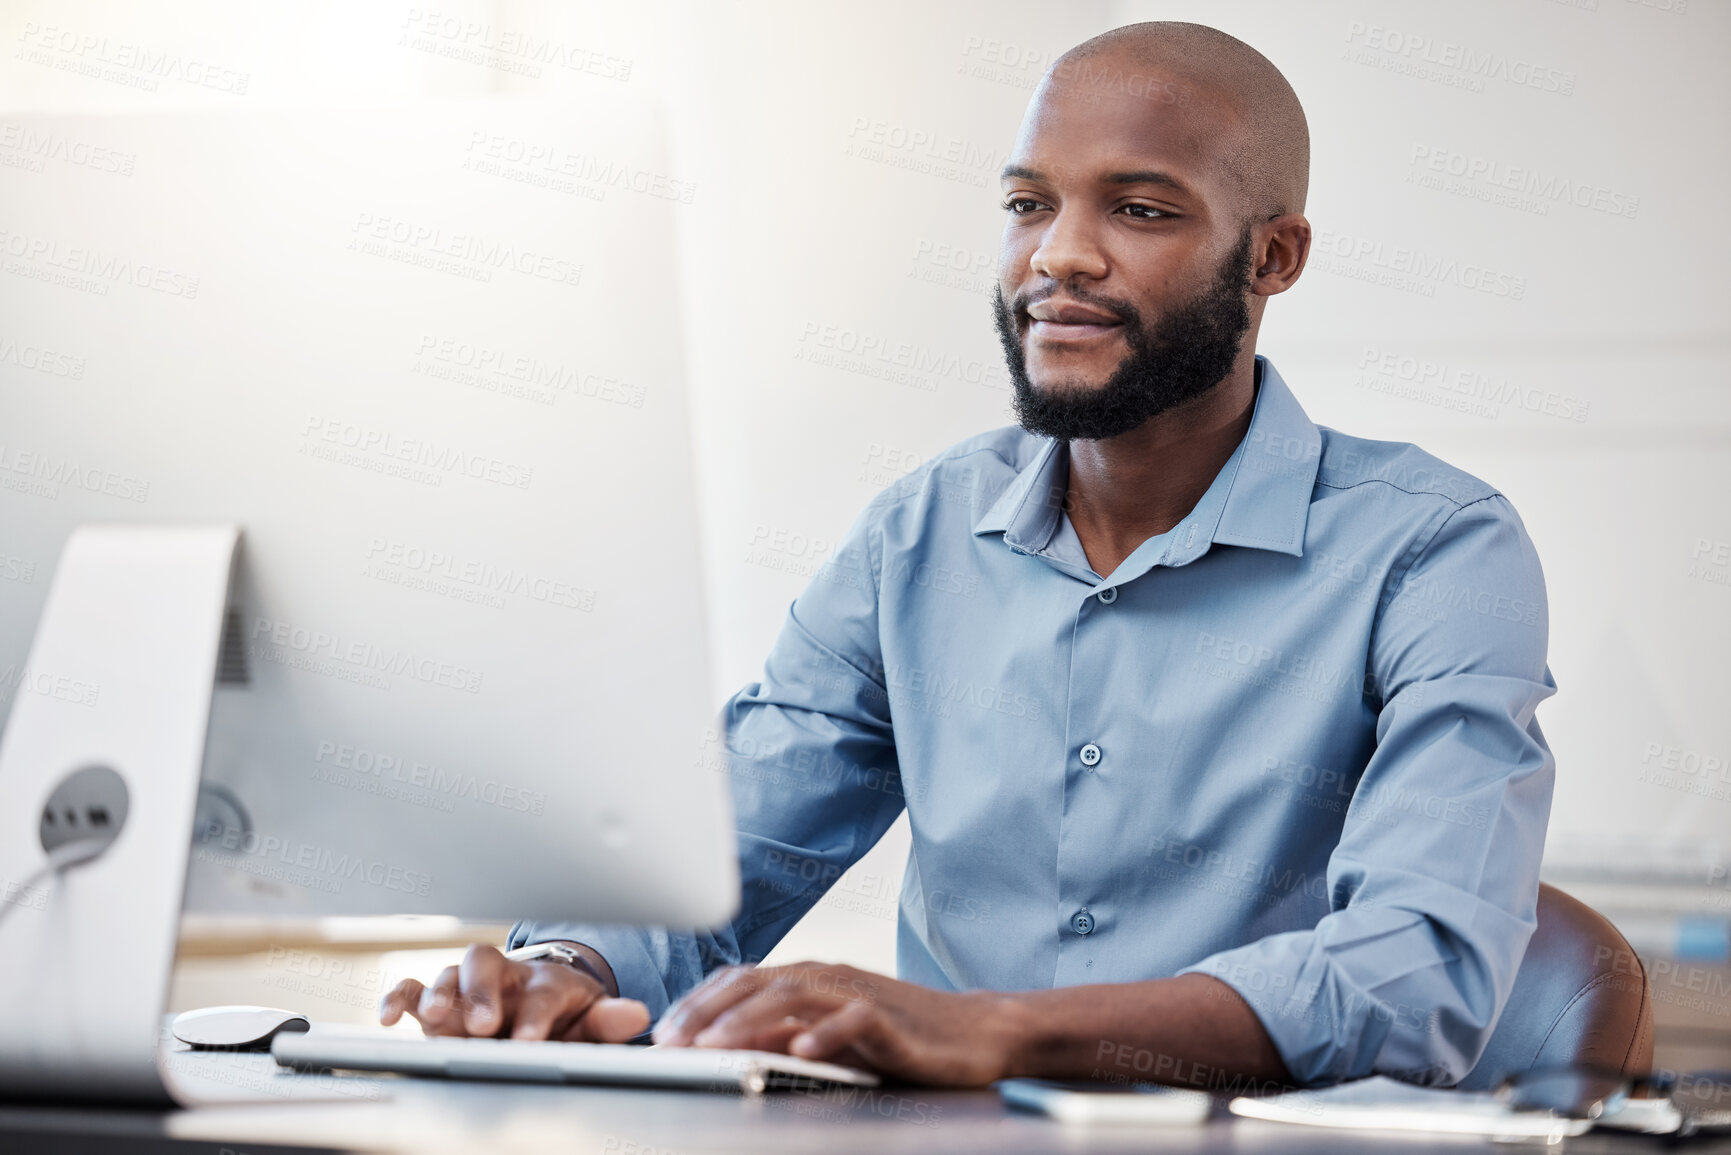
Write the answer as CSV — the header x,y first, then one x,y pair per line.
x,y
231,669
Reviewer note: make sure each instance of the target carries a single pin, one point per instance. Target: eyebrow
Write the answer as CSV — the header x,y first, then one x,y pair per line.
x,y
1140,176
1146,176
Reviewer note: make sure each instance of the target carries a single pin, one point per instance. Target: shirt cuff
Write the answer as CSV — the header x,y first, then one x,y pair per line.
x,y
1264,975
1366,995
628,951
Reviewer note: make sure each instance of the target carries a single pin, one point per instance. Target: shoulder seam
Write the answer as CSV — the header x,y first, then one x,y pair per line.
x,y
1441,525
902,489
899,489
940,459
1398,575
1459,505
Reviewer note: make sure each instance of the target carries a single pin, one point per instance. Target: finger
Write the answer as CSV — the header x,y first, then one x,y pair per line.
x,y
761,1022
554,998
851,1026
400,998
438,1009
691,1014
611,1021
768,1036
482,977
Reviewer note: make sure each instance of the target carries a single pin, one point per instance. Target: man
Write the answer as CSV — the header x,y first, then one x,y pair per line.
x,y
1227,765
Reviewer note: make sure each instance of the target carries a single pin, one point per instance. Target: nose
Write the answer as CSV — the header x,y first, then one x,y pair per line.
x,y
1068,248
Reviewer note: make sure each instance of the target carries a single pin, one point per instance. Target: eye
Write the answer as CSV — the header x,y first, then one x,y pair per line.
x,y
1021,206
1144,212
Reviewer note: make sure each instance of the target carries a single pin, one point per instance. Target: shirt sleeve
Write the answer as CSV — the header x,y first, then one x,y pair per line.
x,y
812,769
1434,884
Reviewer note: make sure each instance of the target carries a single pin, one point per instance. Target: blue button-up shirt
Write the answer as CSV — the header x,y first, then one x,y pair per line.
x,y
1290,743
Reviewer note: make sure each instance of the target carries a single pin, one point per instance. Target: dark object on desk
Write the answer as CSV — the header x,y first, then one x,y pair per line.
x,y
49,1142
1581,999
235,1028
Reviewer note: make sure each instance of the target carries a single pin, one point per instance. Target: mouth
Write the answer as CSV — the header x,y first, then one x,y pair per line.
x,y
1069,322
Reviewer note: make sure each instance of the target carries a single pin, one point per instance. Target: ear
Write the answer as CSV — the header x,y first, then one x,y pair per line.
x,y
1279,248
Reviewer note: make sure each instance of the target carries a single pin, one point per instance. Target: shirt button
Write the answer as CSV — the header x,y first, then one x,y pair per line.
x,y
1108,596
1090,755
1082,922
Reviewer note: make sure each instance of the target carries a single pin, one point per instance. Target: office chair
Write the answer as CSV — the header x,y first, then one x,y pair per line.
x,y
1581,999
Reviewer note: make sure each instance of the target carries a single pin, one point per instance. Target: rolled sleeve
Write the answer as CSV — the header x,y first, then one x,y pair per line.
x,y
1434,884
812,768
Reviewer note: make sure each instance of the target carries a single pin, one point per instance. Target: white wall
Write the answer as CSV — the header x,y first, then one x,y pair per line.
x,y
802,225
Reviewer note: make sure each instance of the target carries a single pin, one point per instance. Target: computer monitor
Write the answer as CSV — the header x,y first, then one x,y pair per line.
x,y
429,361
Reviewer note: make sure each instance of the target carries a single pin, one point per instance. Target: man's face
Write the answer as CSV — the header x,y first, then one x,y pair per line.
x,y
1125,257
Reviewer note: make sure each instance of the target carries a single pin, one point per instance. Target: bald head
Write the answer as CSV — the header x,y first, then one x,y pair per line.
x,y
1265,146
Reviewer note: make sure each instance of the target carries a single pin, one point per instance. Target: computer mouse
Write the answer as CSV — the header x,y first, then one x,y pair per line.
x,y
234,1028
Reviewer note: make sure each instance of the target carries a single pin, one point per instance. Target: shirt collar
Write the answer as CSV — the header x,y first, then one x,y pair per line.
x,y
1026,513
1259,499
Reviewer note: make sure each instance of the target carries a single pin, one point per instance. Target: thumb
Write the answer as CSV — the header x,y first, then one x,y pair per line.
x,y
614,1020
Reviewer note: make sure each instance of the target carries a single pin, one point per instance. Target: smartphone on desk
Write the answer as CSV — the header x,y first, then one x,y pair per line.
x,y
1128,1104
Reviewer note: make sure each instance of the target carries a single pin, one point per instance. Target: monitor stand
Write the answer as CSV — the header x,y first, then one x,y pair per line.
x,y
99,772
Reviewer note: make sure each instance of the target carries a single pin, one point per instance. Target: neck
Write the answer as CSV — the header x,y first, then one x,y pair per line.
x,y
1127,489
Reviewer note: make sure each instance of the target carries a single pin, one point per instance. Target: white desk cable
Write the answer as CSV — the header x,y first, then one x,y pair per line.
x,y
62,857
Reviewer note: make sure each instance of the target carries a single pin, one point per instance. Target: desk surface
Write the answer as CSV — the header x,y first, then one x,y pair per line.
x,y
425,1115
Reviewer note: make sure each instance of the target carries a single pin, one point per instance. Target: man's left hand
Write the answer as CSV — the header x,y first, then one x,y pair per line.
x,y
845,1015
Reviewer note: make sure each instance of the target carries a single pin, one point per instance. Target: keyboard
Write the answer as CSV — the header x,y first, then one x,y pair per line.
x,y
332,1048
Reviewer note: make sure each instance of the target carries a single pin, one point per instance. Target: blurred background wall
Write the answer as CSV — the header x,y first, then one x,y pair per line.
x,y
1517,265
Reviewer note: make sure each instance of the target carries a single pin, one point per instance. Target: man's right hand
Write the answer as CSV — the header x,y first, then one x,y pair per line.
x,y
488,996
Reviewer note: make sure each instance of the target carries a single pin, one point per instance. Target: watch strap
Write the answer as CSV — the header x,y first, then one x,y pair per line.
x,y
562,952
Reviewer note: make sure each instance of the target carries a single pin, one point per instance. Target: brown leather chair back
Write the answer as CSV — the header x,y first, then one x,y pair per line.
x,y
1581,999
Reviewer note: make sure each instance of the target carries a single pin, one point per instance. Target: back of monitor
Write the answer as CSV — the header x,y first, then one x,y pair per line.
x,y
429,359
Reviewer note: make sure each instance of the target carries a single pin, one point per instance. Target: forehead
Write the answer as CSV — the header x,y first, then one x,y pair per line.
x,y
1104,116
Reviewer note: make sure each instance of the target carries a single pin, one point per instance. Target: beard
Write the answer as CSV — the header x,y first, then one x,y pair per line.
x,y
1180,357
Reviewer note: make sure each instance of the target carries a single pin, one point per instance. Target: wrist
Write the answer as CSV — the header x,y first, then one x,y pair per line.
x,y
1015,1032
583,959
